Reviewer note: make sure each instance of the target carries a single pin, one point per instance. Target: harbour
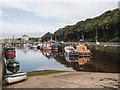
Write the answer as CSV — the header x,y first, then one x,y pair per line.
x,y
60,44
35,60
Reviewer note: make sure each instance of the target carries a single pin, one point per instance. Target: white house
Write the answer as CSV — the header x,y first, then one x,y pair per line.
x,y
25,38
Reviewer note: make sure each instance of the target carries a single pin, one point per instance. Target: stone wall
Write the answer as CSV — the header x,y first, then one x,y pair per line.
x,y
105,48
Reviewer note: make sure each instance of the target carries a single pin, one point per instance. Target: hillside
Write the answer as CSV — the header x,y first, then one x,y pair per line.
x,y
107,25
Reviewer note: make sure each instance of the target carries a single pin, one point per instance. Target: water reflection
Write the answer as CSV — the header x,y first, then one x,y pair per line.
x,y
75,62
34,60
13,70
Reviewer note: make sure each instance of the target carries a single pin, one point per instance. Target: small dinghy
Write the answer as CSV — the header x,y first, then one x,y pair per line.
x,y
15,78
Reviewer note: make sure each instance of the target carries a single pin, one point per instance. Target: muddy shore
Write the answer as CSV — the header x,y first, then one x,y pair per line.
x,y
64,79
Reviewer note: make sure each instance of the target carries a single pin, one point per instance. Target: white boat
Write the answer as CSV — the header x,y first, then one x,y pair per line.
x,y
70,51
15,77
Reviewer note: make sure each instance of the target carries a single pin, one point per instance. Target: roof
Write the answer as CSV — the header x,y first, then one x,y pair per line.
x,y
24,36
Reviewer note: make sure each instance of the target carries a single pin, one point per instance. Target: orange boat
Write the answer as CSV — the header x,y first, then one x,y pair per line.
x,y
82,50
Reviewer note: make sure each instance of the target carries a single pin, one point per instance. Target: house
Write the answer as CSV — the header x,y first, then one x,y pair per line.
x,y
25,38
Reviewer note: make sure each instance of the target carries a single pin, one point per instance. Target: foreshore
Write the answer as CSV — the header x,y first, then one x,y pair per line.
x,y
66,79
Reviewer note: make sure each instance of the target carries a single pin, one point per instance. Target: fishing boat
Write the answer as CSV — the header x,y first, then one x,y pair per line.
x,y
15,77
9,52
82,50
47,46
12,63
41,46
70,51
54,47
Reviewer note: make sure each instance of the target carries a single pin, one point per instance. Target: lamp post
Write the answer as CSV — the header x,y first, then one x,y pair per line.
x,y
13,40
96,35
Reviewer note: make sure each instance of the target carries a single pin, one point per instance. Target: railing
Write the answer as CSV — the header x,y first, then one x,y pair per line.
x,y
115,44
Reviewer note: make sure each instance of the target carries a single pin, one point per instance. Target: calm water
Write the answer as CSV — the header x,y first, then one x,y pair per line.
x,y
35,60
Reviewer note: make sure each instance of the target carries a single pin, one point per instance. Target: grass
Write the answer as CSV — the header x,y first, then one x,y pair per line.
x,y
48,72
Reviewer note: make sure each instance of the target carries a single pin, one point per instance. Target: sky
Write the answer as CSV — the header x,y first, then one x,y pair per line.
x,y
35,18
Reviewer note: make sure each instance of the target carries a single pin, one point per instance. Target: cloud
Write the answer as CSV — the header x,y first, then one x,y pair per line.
x,y
31,28
63,11
9,27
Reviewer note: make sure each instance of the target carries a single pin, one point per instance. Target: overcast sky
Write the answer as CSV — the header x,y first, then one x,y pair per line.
x,y
19,17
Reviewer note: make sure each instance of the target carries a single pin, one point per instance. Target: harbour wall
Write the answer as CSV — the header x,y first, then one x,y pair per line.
x,y
103,46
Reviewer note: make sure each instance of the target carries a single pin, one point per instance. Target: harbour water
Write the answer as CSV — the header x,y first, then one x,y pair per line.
x,y
36,60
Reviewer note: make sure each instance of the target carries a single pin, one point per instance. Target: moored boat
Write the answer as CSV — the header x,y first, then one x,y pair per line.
x,y
15,77
70,51
55,47
10,53
82,50
47,46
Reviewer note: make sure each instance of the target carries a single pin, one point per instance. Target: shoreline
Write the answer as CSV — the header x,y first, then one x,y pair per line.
x,y
67,79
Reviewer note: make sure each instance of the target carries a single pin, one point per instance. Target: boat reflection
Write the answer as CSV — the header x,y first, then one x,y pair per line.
x,y
80,61
49,53
13,70
77,63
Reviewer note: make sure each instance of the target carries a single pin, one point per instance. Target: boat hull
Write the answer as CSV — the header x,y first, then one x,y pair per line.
x,y
82,54
16,79
54,47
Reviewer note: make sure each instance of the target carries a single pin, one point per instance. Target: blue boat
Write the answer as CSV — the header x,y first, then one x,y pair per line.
x,y
54,47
